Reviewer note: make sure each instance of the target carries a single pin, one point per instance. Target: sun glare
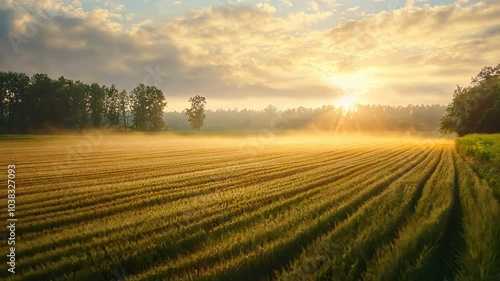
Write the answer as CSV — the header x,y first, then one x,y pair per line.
x,y
347,103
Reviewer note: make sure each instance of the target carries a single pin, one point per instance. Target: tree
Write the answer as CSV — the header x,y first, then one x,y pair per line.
x,y
146,105
13,92
113,107
270,110
474,109
72,107
82,103
493,113
42,103
97,105
123,102
196,114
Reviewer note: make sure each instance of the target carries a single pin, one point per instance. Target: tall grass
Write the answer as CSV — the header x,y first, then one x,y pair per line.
x,y
482,152
480,259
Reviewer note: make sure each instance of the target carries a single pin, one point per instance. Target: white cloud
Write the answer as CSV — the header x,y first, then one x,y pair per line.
x,y
351,10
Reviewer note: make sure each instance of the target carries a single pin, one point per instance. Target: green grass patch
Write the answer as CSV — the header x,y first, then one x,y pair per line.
x,y
482,152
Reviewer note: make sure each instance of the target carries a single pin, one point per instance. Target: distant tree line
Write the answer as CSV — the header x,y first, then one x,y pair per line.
x,y
327,118
39,102
476,108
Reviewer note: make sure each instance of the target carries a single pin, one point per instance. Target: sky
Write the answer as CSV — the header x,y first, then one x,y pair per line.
x,y
249,54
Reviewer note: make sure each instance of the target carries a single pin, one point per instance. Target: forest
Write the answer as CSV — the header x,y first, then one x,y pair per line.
x,y
40,103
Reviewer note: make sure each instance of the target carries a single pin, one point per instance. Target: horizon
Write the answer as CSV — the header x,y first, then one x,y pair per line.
x,y
249,54
346,107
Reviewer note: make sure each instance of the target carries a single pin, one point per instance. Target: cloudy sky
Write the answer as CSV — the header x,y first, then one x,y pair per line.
x,y
249,54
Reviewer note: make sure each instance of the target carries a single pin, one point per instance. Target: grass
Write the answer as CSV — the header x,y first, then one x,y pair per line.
x,y
482,152
169,207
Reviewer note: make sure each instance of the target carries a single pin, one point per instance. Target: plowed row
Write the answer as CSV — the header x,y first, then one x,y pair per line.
x,y
317,208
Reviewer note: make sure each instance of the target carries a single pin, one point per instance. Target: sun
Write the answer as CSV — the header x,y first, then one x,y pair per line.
x,y
347,103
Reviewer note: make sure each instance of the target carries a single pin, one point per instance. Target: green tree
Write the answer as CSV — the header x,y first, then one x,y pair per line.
x,y
146,105
42,102
14,89
3,100
97,105
112,107
70,99
196,114
82,103
475,109
486,124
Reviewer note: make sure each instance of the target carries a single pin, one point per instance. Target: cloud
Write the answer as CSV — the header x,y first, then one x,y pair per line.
x,y
266,7
410,55
421,41
314,6
351,10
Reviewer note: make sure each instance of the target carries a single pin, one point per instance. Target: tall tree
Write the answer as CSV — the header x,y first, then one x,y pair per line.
x,y
146,105
42,104
123,102
3,100
196,114
97,105
14,89
68,102
82,104
112,107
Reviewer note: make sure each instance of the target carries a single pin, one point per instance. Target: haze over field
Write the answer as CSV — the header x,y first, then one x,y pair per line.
x,y
250,140
249,54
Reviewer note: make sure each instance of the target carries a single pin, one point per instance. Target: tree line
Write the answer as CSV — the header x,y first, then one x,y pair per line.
x,y
39,102
327,118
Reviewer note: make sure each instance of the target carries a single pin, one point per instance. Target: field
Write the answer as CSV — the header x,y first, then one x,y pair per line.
x,y
165,207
